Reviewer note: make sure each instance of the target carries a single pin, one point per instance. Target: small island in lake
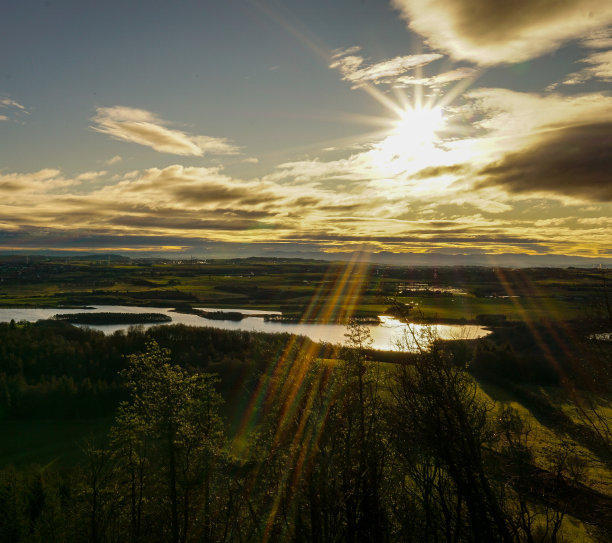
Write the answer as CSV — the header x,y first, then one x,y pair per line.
x,y
222,315
219,315
101,318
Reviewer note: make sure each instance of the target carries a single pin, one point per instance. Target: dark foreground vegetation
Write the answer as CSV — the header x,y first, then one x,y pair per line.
x,y
185,434
233,436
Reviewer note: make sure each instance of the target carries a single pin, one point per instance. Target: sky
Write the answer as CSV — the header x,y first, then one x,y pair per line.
x,y
268,127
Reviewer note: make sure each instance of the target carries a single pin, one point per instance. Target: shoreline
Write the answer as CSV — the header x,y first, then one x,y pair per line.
x,y
236,315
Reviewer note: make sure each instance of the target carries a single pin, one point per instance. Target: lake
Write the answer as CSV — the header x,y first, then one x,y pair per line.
x,y
385,335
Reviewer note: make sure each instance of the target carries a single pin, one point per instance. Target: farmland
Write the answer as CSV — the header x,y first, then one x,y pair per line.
x,y
302,288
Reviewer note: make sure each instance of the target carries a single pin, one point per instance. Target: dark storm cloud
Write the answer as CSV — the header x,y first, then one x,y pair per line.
x,y
575,162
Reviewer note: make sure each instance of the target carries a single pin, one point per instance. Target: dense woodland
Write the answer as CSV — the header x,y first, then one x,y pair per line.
x,y
236,436
200,434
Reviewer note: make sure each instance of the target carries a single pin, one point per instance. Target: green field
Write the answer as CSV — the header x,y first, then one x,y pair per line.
x,y
318,289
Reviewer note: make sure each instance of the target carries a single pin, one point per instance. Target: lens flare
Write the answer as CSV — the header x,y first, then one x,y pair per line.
x,y
290,387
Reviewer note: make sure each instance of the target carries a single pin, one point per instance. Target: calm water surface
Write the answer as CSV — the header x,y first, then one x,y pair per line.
x,y
385,335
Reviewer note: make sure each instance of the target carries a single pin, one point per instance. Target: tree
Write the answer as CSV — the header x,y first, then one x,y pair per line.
x,y
441,428
366,518
320,457
166,441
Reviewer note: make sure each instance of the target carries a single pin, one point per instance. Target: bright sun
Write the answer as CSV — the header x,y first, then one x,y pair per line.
x,y
419,125
411,144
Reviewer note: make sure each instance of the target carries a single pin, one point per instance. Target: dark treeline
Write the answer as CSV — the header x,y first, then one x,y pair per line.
x,y
102,317
54,369
544,353
223,315
329,445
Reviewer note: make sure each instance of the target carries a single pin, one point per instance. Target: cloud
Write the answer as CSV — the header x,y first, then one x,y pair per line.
x,y
507,137
13,109
190,187
354,168
598,39
342,52
352,69
177,200
154,201
49,238
575,161
489,33
145,128
428,237
114,160
458,193
143,212
508,120
600,68
220,193
43,181
10,103
438,80
436,171
530,145
187,223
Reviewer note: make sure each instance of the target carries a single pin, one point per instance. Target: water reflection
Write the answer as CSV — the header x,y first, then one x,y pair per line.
x,y
385,336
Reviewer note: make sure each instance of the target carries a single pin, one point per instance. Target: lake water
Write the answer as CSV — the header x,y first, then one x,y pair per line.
x,y
385,335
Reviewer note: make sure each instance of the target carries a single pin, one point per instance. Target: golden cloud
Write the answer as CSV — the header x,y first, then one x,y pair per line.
x,y
180,204
489,33
146,128
600,67
438,80
574,161
352,69
7,102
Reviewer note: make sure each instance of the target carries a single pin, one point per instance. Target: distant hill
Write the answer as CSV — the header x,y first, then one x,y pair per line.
x,y
503,260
